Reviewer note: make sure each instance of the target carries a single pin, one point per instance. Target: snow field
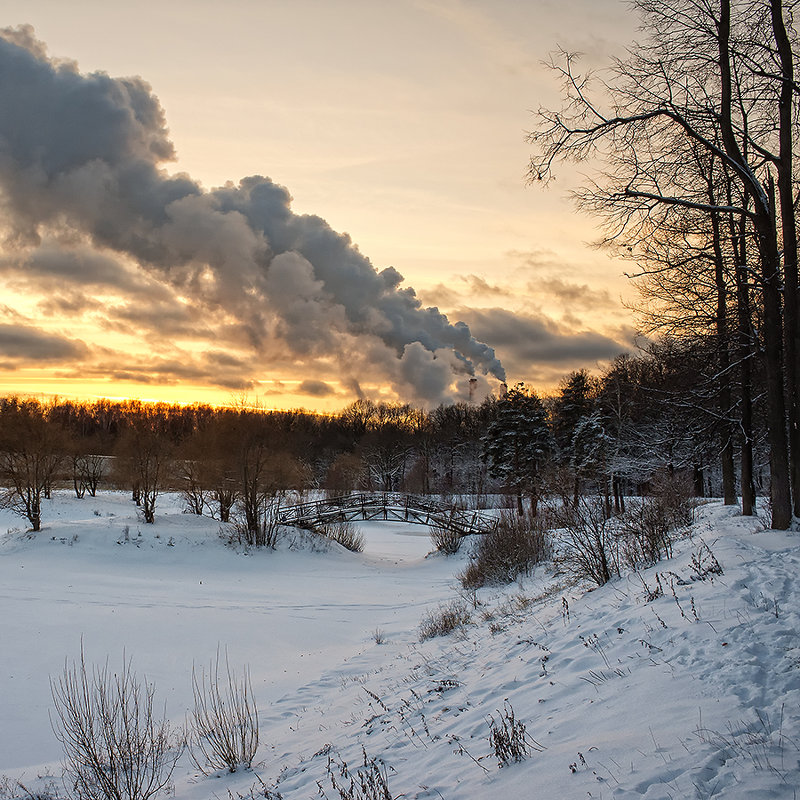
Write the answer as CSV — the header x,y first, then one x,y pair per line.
x,y
167,594
693,694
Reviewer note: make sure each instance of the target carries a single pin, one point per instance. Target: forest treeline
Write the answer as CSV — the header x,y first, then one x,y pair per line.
x,y
611,434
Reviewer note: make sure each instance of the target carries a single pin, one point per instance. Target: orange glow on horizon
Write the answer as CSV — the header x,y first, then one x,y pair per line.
x,y
90,391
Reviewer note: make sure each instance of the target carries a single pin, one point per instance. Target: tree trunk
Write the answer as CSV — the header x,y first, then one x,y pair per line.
x,y
724,363
699,483
745,340
764,222
225,498
619,496
789,236
77,481
779,484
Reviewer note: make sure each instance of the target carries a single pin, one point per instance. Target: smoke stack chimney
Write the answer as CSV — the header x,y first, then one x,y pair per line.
x,y
473,385
503,390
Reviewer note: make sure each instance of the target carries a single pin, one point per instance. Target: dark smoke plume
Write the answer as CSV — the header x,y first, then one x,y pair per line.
x,y
85,153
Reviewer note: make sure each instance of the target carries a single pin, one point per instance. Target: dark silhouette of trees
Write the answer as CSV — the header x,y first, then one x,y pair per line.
x,y
345,474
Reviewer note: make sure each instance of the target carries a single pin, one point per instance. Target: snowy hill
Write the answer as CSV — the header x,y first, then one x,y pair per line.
x,y
681,681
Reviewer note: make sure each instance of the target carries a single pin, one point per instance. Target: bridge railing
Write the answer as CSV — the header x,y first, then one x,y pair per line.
x,y
391,505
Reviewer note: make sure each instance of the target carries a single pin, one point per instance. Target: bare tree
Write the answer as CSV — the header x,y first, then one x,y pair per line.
x,y
87,466
705,81
31,450
144,454
262,470
116,747
345,474
589,546
386,445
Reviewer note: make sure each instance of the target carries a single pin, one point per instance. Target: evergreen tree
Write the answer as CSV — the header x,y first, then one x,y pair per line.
x,y
574,404
516,443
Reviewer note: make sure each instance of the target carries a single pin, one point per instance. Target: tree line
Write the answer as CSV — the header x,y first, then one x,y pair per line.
x,y
611,434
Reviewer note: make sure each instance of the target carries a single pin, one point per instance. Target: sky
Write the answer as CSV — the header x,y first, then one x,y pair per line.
x,y
299,203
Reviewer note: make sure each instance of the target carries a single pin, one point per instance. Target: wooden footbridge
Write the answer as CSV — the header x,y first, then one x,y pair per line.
x,y
387,506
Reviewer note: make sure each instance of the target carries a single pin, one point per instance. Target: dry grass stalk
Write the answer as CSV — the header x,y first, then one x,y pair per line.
x,y
224,722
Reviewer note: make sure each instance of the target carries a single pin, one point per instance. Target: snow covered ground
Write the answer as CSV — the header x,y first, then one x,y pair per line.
x,y
693,694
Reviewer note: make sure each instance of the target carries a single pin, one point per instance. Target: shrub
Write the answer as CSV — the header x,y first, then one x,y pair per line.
x,y
444,620
762,740
115,747
346,534
445,539
704,565
367,782
258,791
647,529
16,790
259,528
513,548
589,546
674,494
508,737
224,722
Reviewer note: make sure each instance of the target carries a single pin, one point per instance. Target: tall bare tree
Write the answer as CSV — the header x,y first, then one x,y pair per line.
x,y
705,79
31,450
144,454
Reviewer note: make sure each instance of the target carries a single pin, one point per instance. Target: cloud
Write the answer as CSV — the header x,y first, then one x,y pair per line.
x,y
159,319
79,265
225,360
539,259
27,343
315,389
478,285
68,303
74,279
549,290
464,289
82,160
573,294
442,295
152,370
536,348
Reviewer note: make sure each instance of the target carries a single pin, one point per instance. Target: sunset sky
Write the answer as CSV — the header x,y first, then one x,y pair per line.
x,y
135,263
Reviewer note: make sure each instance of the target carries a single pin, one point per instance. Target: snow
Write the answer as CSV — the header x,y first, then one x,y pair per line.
x,y
693,694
